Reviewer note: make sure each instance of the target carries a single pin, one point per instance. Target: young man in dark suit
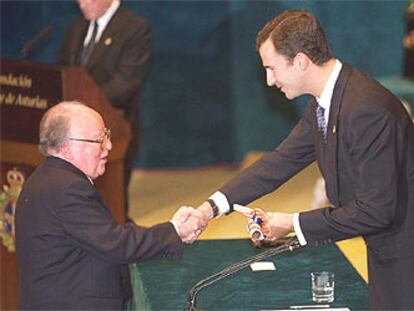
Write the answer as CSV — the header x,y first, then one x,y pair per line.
x,y
69,248
363,141
113,45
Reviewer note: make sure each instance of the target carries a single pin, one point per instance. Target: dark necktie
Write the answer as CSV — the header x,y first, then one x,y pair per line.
x,y
320,117
87,49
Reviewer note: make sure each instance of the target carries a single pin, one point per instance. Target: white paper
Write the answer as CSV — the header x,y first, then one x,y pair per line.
x,y
263,266
310,308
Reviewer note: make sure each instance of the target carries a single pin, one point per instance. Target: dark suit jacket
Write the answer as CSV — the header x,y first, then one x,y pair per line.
x,y
118,63
68,247
368,165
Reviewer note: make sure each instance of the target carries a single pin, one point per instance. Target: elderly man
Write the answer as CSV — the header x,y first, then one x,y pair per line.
x,y
69,248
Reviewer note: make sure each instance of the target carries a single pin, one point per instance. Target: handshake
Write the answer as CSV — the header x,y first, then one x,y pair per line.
x,y
190,223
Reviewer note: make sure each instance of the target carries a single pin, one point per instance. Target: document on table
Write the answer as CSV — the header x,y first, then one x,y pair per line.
x,y
310,308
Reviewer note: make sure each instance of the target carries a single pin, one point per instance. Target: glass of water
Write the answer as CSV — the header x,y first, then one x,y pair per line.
x,y
323,285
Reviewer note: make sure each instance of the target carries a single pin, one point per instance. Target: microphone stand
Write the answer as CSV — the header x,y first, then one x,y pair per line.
x,y
34,41
290,245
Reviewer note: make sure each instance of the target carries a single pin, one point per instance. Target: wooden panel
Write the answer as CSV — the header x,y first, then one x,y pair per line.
x,y
8,280
8,265
27,91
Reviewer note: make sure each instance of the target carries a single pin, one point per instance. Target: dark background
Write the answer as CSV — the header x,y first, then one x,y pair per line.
x,y
205,99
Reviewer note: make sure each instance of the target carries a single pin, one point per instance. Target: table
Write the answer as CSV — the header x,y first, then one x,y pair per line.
x,y
164,285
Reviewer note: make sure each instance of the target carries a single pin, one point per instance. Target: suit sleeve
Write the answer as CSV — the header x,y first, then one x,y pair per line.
x,y
89,224
268,173
132,67
377,145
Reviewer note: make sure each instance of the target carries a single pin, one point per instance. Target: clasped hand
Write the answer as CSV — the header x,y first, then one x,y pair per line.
x,y
189,223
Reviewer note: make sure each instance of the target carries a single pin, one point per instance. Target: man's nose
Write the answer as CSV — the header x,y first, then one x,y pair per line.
x,y
108,144
270,78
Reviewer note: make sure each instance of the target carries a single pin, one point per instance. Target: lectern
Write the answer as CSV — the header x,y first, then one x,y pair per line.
x,y
27,91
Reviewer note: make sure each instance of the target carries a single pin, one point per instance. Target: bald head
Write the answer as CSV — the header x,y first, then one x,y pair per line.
x,y
56,124
76,133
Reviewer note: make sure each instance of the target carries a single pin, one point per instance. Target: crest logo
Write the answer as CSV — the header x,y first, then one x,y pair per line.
x,y
8,199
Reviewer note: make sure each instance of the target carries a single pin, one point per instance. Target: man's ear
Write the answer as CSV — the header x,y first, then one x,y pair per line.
x,y
302,61
66,151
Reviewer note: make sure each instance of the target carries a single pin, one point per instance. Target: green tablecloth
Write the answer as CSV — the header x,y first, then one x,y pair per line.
x,y
164,285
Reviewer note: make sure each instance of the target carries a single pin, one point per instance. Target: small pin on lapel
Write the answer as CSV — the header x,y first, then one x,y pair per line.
x,y
108,41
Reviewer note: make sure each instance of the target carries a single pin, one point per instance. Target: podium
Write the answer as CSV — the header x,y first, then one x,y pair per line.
x,y
27,91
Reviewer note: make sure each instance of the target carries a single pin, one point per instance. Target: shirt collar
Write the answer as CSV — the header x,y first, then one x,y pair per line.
x,y
90,179
102,21
106,17
325,99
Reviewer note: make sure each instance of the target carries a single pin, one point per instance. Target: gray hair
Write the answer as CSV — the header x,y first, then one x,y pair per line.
x,y
55,127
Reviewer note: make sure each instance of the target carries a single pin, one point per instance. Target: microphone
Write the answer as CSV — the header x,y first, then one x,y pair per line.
x,y
28,47
289,245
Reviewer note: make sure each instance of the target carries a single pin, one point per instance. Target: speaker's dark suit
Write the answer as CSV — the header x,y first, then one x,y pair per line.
x,y
118,65
69,248
368,165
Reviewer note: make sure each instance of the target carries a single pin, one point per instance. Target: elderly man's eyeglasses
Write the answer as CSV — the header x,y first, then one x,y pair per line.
x,y
105,137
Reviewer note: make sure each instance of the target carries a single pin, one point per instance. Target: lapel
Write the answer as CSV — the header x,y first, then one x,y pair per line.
x,y
108,37
329,152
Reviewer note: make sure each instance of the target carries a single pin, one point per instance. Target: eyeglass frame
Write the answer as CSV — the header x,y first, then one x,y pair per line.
x,y
106,136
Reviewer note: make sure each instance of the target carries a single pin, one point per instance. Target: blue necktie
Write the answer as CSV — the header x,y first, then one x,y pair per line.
x,y
320,117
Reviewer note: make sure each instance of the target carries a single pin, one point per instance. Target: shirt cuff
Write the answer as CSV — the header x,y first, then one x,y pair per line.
x,y
298,230
177,230
221,202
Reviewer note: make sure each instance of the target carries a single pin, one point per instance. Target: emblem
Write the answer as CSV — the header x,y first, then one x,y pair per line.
x,y
8,199
108,41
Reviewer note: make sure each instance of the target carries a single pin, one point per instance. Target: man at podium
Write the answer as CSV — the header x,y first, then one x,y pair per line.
x,y
69,249
113,45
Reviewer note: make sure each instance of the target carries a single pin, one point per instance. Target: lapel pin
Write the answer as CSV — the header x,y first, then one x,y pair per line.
x,y
334,129
108,41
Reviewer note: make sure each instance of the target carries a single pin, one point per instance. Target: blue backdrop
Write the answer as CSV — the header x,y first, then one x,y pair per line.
x,y
205,100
